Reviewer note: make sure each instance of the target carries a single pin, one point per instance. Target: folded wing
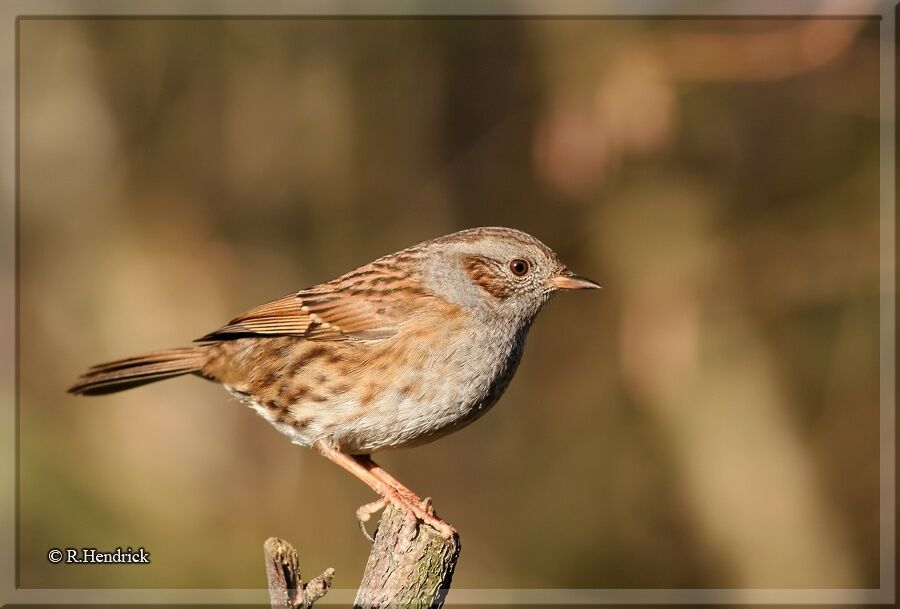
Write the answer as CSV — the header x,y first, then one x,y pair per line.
x,y
368,307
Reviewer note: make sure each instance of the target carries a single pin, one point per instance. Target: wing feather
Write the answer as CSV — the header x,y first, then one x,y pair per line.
x,y
327,312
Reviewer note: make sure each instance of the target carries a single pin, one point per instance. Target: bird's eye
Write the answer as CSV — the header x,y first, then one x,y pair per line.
x,y
519,267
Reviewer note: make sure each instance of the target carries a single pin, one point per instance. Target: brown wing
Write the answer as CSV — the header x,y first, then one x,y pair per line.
x,y
314,316
368,303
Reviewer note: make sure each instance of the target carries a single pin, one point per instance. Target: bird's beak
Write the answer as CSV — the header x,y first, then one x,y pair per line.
x,y
567,280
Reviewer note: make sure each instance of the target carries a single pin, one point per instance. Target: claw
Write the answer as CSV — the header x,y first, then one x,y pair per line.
x,y
428,506
362,529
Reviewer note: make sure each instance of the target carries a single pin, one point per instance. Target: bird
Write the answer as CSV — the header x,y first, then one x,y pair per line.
x,y
394,354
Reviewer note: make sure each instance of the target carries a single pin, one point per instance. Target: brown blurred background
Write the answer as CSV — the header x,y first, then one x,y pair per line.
x,y
710,419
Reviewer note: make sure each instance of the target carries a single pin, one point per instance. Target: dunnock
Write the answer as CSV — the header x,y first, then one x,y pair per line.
x,y
398,352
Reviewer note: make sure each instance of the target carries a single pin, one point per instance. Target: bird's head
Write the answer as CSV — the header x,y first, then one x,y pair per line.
x,y
501,272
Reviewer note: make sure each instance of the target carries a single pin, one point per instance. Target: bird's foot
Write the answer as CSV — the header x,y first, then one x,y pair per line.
x,y
423,511
364,514
418,511
444,528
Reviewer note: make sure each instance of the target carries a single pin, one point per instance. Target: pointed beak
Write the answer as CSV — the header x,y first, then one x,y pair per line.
x,y
567,280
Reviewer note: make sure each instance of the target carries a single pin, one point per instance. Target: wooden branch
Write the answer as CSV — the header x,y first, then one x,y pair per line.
x,y
410,565
286,589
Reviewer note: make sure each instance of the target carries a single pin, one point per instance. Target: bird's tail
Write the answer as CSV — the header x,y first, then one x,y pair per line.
x,y
135,371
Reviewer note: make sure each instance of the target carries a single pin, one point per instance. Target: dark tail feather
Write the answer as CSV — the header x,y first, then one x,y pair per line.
x,y
135,371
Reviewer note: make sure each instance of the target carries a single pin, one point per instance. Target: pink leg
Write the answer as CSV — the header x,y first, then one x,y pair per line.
x,y
385,485
382,474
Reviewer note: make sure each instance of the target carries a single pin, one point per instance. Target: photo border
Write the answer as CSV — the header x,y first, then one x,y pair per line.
x,y
12,11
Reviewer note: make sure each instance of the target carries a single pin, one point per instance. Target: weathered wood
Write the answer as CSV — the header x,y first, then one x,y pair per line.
x,y
286,588
410,565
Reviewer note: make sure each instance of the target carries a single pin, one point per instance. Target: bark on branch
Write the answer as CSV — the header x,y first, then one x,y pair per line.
x,y
286,589
410,565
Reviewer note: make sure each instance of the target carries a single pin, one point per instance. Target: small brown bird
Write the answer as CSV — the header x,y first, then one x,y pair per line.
x,y
396,353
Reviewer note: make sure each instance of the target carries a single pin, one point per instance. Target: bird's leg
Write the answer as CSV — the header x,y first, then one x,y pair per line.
x,y
410,497
385,477
360,467
382,474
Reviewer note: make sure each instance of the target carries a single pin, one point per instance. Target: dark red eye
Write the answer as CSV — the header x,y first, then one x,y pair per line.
x,y
519,267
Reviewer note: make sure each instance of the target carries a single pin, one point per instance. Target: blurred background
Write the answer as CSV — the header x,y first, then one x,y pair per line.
x,y
710,419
